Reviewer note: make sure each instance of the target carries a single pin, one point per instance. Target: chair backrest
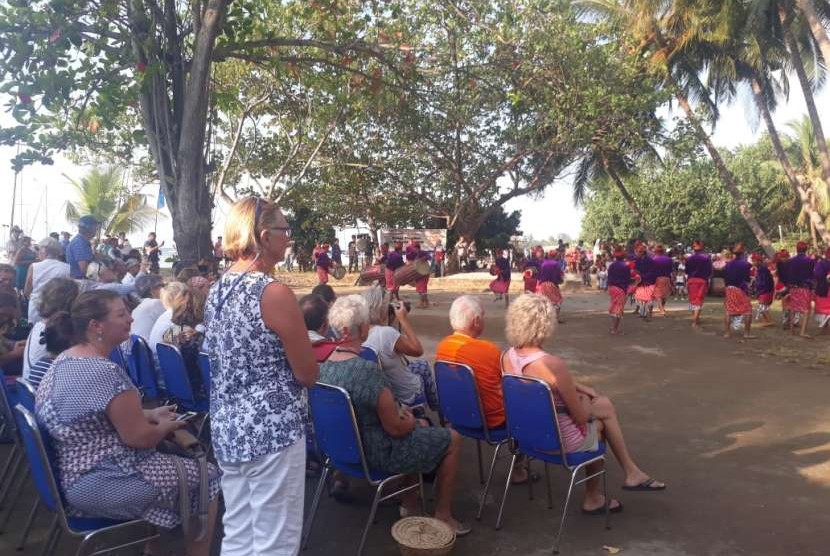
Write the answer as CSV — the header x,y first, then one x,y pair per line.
x,y
531,415
204,369
174,371
38,457
26,394
142,367
369,354
117,357
335,425
458,395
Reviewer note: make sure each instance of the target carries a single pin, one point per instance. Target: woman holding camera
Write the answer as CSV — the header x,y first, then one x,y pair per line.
x,y
411,381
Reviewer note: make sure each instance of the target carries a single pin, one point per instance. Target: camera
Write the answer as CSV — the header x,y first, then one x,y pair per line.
x,y
394,305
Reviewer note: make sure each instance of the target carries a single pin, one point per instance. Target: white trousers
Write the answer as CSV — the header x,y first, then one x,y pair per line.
x,y
264,504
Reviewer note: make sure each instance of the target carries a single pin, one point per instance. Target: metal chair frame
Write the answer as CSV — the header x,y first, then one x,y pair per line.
x,y
497,444
554,458
10,481
378,485
60,524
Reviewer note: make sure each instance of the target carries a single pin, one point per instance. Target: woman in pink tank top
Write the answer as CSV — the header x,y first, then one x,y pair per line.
x,y
584,416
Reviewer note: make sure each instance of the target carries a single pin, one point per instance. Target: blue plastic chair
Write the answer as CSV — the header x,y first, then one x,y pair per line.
x,y
142,368
91,531
369,354
176,380
117,357
534,429
338,439
461,405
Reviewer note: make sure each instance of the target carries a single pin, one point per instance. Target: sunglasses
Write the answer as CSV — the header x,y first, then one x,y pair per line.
x,y
258,214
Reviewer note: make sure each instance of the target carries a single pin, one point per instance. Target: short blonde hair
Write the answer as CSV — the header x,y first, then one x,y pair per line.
x,y
241,239
530,320
170,292
350,312
377,301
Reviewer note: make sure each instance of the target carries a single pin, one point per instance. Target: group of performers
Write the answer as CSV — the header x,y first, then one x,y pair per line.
x,y
415,259
799,281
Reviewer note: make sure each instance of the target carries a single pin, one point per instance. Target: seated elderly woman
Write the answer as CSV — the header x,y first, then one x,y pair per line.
x,y
410,381
186,332
531,320
394,441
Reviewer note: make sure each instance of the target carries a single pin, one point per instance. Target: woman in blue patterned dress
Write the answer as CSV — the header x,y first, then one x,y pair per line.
x,y
261,361
105,441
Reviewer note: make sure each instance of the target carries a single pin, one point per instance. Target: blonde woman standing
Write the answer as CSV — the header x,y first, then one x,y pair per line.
x,y
261,362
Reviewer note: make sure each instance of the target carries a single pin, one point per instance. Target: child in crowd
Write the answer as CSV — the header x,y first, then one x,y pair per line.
x,y
680,282
602,274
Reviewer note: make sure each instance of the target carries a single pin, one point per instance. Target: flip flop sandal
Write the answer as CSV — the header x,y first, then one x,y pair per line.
x,y
463,529
601,510
533,476
645,486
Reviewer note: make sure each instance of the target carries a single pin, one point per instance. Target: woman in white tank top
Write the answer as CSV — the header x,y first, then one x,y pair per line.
x,y
42,272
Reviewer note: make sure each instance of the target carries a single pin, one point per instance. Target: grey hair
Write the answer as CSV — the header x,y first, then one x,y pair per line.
x,y
463,311
378,303
349,312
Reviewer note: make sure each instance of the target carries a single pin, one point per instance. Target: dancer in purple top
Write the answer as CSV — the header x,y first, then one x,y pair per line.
x,y
698,272
644,294
619,278
394,260
822,269
550,276
799,276
764,289
501,285
663,267
736,302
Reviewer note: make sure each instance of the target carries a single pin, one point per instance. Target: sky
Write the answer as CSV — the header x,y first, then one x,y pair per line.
x,y
46,189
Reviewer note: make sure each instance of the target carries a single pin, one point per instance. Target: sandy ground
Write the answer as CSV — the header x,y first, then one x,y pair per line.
x,y
740,431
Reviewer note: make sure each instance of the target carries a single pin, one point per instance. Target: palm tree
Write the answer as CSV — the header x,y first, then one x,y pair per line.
x,y
101,193
801,146
817,13
678,36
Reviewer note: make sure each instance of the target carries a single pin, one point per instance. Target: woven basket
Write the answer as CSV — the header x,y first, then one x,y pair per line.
x,y
423,536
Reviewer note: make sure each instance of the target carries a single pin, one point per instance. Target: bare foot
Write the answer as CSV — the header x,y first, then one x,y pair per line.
x,y
806,336
598,503
750,337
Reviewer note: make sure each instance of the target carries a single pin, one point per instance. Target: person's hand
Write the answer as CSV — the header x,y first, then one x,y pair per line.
x,y
400,312
171,426
588,391
162,414
18,349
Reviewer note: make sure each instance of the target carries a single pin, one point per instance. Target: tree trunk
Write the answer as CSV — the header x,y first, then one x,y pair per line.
x,y
723,172
795,59
632,204
819,32
800,190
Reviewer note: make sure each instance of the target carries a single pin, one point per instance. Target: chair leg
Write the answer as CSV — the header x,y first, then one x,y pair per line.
x,y
314,504
12,476
371,520
506,490
489,480
51,538
480,464
529,480
28,527
605,496
15,496
565,511
4,474
547,483
422,493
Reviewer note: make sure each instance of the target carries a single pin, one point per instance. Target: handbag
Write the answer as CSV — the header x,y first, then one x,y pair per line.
x,y
184,444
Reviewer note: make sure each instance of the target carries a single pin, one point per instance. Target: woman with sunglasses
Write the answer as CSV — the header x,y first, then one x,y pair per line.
x,y
261,362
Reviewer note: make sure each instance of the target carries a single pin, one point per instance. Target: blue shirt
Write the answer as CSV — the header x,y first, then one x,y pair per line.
x,y
79,250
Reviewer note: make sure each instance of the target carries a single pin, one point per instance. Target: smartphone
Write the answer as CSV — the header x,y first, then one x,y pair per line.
x,y
186,416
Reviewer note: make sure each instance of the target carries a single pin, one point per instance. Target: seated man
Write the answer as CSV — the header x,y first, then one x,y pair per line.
x,y
315,311
483,357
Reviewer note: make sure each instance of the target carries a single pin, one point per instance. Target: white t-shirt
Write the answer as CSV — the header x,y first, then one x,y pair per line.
x,y
405,384
42,273
159,328
145,316
34,349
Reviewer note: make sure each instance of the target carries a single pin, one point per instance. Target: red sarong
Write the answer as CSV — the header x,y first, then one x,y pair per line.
x,y
551,291
500,286
823,305
530,284
662,288
618,296
799,300
644,293
421,284
737,302
390,280
698,287
322,275
766,298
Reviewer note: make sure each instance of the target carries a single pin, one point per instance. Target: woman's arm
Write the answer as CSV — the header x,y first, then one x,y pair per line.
x,y
281,313
554,371
133,426
393,422
27,289
408,343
